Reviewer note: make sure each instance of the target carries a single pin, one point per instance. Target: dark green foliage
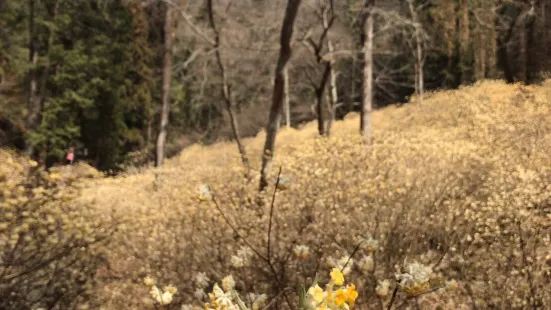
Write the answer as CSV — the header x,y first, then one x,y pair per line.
x,y
100,95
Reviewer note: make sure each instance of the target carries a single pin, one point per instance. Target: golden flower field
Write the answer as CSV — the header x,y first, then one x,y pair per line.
x,y
449,208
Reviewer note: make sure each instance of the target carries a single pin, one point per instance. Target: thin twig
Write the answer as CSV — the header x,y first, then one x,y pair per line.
x,y
529,276
268,252
427,292
273,301
272,268
351,255
236,231
393,298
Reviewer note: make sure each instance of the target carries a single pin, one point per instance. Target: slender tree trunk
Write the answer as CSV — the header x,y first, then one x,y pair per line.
x,y
491,62
226,91
333,92
502,42
167,78
420,67
533,56
353,86
523,59
149,133
465,56
279,89
320,90
420,83
331,117
287,107
37,94
33,59
367,100
482,57
416,78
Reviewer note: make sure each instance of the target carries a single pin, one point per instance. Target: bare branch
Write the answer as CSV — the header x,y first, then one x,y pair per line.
x,y
190,23
268,252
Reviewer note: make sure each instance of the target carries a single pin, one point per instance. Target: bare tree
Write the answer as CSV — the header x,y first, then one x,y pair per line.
x,y
226,90
510,26
367,100
420,59
279,87
167,78
327,17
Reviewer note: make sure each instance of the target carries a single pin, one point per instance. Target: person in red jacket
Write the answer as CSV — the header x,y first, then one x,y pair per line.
x,y
70,155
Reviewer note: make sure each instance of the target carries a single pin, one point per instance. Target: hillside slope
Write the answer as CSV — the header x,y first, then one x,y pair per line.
x,y
461,182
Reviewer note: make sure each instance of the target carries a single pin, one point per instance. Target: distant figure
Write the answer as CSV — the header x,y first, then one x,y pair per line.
x,y
70,155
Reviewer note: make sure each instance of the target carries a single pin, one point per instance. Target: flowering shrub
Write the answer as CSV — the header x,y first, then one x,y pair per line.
x,y
335,296
458,184
454,191
51,248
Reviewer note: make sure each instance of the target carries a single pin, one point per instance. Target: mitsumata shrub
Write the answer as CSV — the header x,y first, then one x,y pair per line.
x,y
51,248
449,208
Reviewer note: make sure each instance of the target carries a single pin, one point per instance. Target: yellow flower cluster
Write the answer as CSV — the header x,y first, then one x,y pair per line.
x,y
51,246
226,298
335,296
415,280
160,297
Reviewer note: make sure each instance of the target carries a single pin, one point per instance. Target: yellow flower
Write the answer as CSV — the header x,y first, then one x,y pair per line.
x,y
383,288
149,281
416,289
337,276
316,292
352,295
451,285
171,289
340,297
165,299
322,307
155,293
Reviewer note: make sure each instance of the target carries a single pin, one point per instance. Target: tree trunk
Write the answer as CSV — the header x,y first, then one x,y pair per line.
x,y
320,90
167,78
482,59
419,75
226,91
33,59
533,57
491,62
502,42
465,56
522,53
287,107
279,89
331,117
367,100
37,96
333,92
149,133
353,86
